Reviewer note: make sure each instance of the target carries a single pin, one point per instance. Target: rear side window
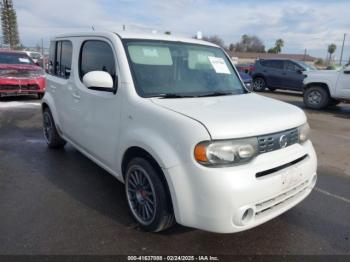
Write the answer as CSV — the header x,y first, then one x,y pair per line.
x,y
60,59
276,64
290,66
96,55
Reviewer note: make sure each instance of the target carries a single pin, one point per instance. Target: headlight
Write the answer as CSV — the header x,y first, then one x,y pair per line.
x,y
228,152
304,132
36,73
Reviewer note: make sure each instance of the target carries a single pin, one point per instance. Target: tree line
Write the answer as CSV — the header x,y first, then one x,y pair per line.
x,y
247,43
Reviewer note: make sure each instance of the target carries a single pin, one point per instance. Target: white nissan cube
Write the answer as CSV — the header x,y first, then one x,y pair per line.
x,y
171,119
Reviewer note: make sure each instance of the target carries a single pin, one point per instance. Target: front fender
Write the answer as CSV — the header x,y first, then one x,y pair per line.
x,y
314,81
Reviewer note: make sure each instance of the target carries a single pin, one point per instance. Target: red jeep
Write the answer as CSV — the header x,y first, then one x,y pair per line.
x,y
19,75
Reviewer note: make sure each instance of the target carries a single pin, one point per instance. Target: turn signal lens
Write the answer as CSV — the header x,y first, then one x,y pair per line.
x,y
200,153
304,132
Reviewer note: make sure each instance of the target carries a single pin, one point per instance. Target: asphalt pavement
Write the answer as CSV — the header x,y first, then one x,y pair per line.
x,y
59,202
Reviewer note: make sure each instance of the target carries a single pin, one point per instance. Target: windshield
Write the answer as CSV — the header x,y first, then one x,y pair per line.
x,y
308,67
173,69
15,59
35,55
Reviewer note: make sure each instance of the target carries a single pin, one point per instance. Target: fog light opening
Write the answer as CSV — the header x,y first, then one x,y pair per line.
x,y
247,215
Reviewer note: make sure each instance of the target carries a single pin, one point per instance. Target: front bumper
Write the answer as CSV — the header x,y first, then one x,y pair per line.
x,y
18,86
217,199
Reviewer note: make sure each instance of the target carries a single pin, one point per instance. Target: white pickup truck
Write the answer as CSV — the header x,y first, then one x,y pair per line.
x,y
324,88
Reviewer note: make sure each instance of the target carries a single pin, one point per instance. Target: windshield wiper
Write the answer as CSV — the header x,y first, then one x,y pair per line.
x,y
217,94
172,96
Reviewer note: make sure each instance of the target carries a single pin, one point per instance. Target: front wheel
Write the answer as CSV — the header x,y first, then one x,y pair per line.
x,y
259,84
316,97
147,196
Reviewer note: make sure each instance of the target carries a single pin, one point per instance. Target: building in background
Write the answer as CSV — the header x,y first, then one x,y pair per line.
x,y
248,58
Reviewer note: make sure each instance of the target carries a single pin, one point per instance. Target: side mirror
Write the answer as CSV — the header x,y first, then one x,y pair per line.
x,y
99,80
347,70
300,71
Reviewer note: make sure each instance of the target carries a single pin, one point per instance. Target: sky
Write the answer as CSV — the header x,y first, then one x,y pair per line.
x,y
310,24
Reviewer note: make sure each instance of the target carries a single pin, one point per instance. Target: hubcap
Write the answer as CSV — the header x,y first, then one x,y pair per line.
x,y
141,195
47,127
314,98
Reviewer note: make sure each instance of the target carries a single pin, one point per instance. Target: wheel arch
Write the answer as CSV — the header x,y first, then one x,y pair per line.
x,y
136,151
319,84
49,103
260,75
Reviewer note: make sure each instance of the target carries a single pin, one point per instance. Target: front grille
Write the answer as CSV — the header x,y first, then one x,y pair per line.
x,y
271,142
265,207
20,87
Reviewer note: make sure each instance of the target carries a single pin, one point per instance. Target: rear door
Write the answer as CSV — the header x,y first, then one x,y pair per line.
x,y
59,80
293,76
273,71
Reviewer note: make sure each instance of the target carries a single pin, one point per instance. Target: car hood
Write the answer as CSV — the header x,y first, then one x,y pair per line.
x,y
321,73
237,116
20,71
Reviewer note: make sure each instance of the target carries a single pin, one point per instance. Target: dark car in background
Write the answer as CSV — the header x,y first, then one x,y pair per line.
x,y
19,75
279,74
245,68
247,79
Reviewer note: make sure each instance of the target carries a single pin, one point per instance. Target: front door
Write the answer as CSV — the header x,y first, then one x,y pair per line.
x,y
293,76
96,113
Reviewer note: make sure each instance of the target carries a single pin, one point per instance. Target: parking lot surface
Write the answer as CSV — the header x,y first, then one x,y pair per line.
x,y
59,202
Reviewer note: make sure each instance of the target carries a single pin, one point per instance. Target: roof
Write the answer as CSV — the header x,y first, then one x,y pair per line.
x,y
134,35
298,57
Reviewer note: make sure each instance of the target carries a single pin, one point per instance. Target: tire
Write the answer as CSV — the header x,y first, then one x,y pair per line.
x,y
51,135
147,195
316,97
259,84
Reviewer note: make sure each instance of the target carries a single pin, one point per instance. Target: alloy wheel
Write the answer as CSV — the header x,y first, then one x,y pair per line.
x,y
259,84
141,195
48,126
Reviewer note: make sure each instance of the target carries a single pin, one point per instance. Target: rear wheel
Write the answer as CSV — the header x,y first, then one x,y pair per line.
x,y
147,196
53,139
259,84
316,97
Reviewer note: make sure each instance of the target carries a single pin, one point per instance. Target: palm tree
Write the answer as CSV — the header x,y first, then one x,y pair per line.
x,y
331,50
279,44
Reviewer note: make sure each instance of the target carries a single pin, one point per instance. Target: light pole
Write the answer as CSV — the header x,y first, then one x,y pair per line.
x,y
342,50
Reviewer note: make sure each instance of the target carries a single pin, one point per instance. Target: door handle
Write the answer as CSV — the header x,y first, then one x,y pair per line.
x,y
76,96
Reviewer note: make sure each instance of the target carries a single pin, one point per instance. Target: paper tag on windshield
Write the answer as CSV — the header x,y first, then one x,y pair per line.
x,y
150,52
24,60
219,65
